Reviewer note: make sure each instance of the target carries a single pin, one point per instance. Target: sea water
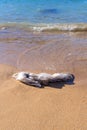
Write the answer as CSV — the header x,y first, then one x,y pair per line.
x,y
43,11
44,35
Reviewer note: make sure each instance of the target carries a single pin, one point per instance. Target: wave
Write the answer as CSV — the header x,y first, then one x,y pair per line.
x,y
61,27
47,27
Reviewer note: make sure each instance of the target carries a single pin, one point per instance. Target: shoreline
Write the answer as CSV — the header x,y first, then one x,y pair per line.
x,y
46,27
52,107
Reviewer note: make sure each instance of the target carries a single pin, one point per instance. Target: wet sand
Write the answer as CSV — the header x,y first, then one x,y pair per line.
x,y
57,107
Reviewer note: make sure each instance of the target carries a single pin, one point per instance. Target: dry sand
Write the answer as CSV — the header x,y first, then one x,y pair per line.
x,y
24,107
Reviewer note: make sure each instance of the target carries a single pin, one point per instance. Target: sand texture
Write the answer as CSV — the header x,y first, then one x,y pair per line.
x,y
24,107
60,106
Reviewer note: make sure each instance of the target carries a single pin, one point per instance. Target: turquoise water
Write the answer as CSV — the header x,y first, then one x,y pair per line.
x,y
43,11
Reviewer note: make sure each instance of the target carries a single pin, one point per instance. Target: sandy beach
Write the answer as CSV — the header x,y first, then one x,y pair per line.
x,y
24,107
43,36
57,107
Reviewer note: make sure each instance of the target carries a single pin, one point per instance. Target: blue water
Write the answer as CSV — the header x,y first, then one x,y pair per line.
x,y
43,11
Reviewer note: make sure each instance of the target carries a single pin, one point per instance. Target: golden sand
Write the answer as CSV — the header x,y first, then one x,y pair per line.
x,y
23,107
57,107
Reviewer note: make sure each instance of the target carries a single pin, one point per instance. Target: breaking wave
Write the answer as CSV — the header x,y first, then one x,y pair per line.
x,y
46,27
61,27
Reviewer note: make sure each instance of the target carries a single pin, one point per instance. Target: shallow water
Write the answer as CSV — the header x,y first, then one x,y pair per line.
x,y
44,51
